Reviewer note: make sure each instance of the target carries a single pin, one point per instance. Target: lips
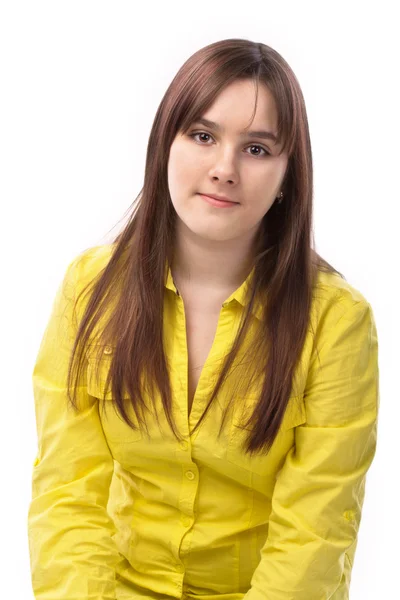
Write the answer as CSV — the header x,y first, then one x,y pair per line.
x,y
223,198
218,203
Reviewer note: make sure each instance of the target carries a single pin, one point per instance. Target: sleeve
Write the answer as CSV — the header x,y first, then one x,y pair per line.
x,y
319,493
72,552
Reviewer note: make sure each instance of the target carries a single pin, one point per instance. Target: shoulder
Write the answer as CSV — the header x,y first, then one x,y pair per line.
x,y
86,265
336,300
331,289
332,284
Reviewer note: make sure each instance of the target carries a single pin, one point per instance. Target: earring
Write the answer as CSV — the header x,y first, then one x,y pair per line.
x,y
279,198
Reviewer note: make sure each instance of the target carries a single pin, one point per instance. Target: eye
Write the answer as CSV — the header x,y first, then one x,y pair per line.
x,y
195,133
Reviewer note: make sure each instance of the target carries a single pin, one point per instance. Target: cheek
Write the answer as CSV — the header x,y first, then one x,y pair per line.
x,y
256,210
178,172
184,166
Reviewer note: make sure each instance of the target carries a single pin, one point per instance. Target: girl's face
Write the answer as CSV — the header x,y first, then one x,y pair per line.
x,y
226,161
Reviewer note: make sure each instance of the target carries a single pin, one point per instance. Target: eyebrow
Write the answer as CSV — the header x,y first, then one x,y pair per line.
x,y
268,135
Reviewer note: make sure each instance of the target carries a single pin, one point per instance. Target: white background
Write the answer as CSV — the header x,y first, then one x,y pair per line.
x,y
80,85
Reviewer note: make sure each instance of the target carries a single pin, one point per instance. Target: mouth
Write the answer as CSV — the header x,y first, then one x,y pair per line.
x,y
216,197
217,201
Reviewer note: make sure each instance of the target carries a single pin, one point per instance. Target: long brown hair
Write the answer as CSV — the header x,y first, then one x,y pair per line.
x,y
131,287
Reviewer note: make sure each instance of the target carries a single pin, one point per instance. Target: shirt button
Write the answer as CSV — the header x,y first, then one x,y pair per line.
x,y
183,444
186,521
107,350
180,568
190,475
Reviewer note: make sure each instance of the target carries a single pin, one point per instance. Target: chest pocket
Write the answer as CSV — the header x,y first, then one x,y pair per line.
x,y
118,433
265,464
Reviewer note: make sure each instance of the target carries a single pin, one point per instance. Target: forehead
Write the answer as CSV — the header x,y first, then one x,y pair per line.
x,y
235,104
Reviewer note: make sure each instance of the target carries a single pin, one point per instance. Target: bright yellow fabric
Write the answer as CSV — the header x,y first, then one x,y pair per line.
x,y
199,518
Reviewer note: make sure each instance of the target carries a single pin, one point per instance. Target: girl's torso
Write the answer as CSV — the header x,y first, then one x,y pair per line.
x,y
202,315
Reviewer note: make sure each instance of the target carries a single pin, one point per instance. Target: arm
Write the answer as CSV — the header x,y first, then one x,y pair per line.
x,y
72,553
318,496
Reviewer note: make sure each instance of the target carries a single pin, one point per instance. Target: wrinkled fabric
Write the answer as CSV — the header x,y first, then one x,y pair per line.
x,y
116,515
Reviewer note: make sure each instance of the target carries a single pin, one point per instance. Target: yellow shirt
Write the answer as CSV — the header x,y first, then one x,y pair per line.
x,y
115,515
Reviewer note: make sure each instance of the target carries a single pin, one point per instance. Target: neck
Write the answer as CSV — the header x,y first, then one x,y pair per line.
x,y
209,265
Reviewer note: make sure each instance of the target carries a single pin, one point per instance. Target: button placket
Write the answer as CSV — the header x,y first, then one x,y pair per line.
x,y
186,521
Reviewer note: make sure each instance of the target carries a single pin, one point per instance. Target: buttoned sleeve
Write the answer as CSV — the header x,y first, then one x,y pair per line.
x,y
72,552
319,493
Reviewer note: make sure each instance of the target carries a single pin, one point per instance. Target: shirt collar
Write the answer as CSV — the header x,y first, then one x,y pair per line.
x,y
237,296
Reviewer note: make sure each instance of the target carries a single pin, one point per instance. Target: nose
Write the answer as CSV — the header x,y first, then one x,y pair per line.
x,y
224,169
